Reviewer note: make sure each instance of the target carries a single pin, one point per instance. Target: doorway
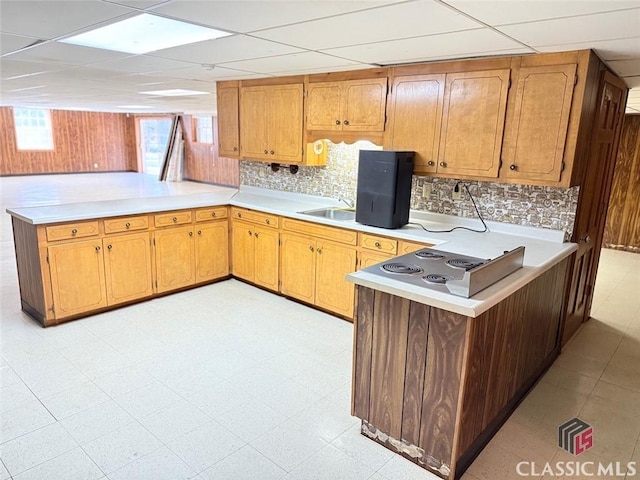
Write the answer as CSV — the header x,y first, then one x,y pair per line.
x,y
153,135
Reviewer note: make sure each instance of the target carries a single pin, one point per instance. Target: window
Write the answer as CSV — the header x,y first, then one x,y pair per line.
x,y
203,129
33,129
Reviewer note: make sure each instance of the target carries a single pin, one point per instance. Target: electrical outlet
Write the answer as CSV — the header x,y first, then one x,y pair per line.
x,y
426,190
457,195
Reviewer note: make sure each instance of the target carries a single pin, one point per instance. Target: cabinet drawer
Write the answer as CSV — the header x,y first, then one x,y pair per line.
x,y
72,230
126,224
173,218
408,247
213,213
379,244
255,217
328,233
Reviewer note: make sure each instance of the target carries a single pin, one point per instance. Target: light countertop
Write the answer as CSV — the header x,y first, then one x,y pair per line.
x,y
543,248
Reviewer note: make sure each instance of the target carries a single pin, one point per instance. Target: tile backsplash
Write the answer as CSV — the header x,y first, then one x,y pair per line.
x,y
544,207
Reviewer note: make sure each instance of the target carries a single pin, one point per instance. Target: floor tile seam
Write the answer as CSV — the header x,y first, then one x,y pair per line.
x,y
162,445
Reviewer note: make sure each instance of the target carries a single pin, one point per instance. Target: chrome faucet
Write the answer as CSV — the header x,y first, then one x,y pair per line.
x,y
347,202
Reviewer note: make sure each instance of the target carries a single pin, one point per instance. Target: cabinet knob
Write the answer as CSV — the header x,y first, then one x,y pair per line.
x,y
213,214
513,167
175,219
74,231
127,225
199,232
585,238
442,164
249,232
337,122
267,221
319,251
235,149
346,122
239,215
271,152
266,151
98,248
377,244
256,234
109,247
311,248
191,234
431,163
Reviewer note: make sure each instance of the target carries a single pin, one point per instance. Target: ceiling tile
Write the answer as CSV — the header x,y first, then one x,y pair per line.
x,y
633,82
431,47
587,28
386,23
226,49
203,74
137,3
496,12
12,68
142,64
297,61
618,49
50,19
626,68
11,43
55,52
248,16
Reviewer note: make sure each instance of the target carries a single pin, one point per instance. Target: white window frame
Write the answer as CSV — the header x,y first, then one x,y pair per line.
x,y
33,129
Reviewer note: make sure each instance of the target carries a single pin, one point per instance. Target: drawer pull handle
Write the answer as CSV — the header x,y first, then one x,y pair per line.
x,y
239,215
513,167
213,214
199,232
442,164
431,163
97,248
127,225
271,152
377,244
310,248
175,219
267,221
191,234
346,122
109,247
74,231
337,122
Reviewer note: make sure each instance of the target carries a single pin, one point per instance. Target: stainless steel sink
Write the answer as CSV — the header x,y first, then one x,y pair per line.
x,y
333,213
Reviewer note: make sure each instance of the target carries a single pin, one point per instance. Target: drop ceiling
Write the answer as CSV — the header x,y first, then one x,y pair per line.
x,y
288,37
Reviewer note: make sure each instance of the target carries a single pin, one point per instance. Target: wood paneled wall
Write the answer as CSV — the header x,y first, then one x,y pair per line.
x,y
623,217
202,163
81,139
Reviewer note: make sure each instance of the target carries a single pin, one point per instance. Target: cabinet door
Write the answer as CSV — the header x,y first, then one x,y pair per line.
x,y
285,123
323,106
363,105
416,116
333,263
242,250
77,277
127,265
175,262
473,122
371,258
536,130
266,260
297,267
212,251
228,122
254,104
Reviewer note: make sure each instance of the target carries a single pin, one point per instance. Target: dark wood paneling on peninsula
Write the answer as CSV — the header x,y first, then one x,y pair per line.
x,y
202,163
623,217
81,139
421,374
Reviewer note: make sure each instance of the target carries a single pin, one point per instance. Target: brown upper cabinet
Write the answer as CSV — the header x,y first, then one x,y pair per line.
x,y
350,105
536,129
271,123
229,127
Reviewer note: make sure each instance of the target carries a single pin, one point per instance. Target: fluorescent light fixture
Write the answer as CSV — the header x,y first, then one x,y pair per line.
x,y
175,92
144,33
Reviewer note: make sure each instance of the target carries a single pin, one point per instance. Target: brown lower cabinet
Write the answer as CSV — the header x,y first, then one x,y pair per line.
x,y
175,258
421,374
127,264
254,253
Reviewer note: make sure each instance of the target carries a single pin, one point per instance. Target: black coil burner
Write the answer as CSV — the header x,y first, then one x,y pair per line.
x,y
429,255
437,279
462,263
401,268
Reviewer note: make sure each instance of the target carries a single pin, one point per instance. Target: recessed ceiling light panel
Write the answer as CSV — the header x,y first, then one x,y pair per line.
x,y
175,92
144,33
